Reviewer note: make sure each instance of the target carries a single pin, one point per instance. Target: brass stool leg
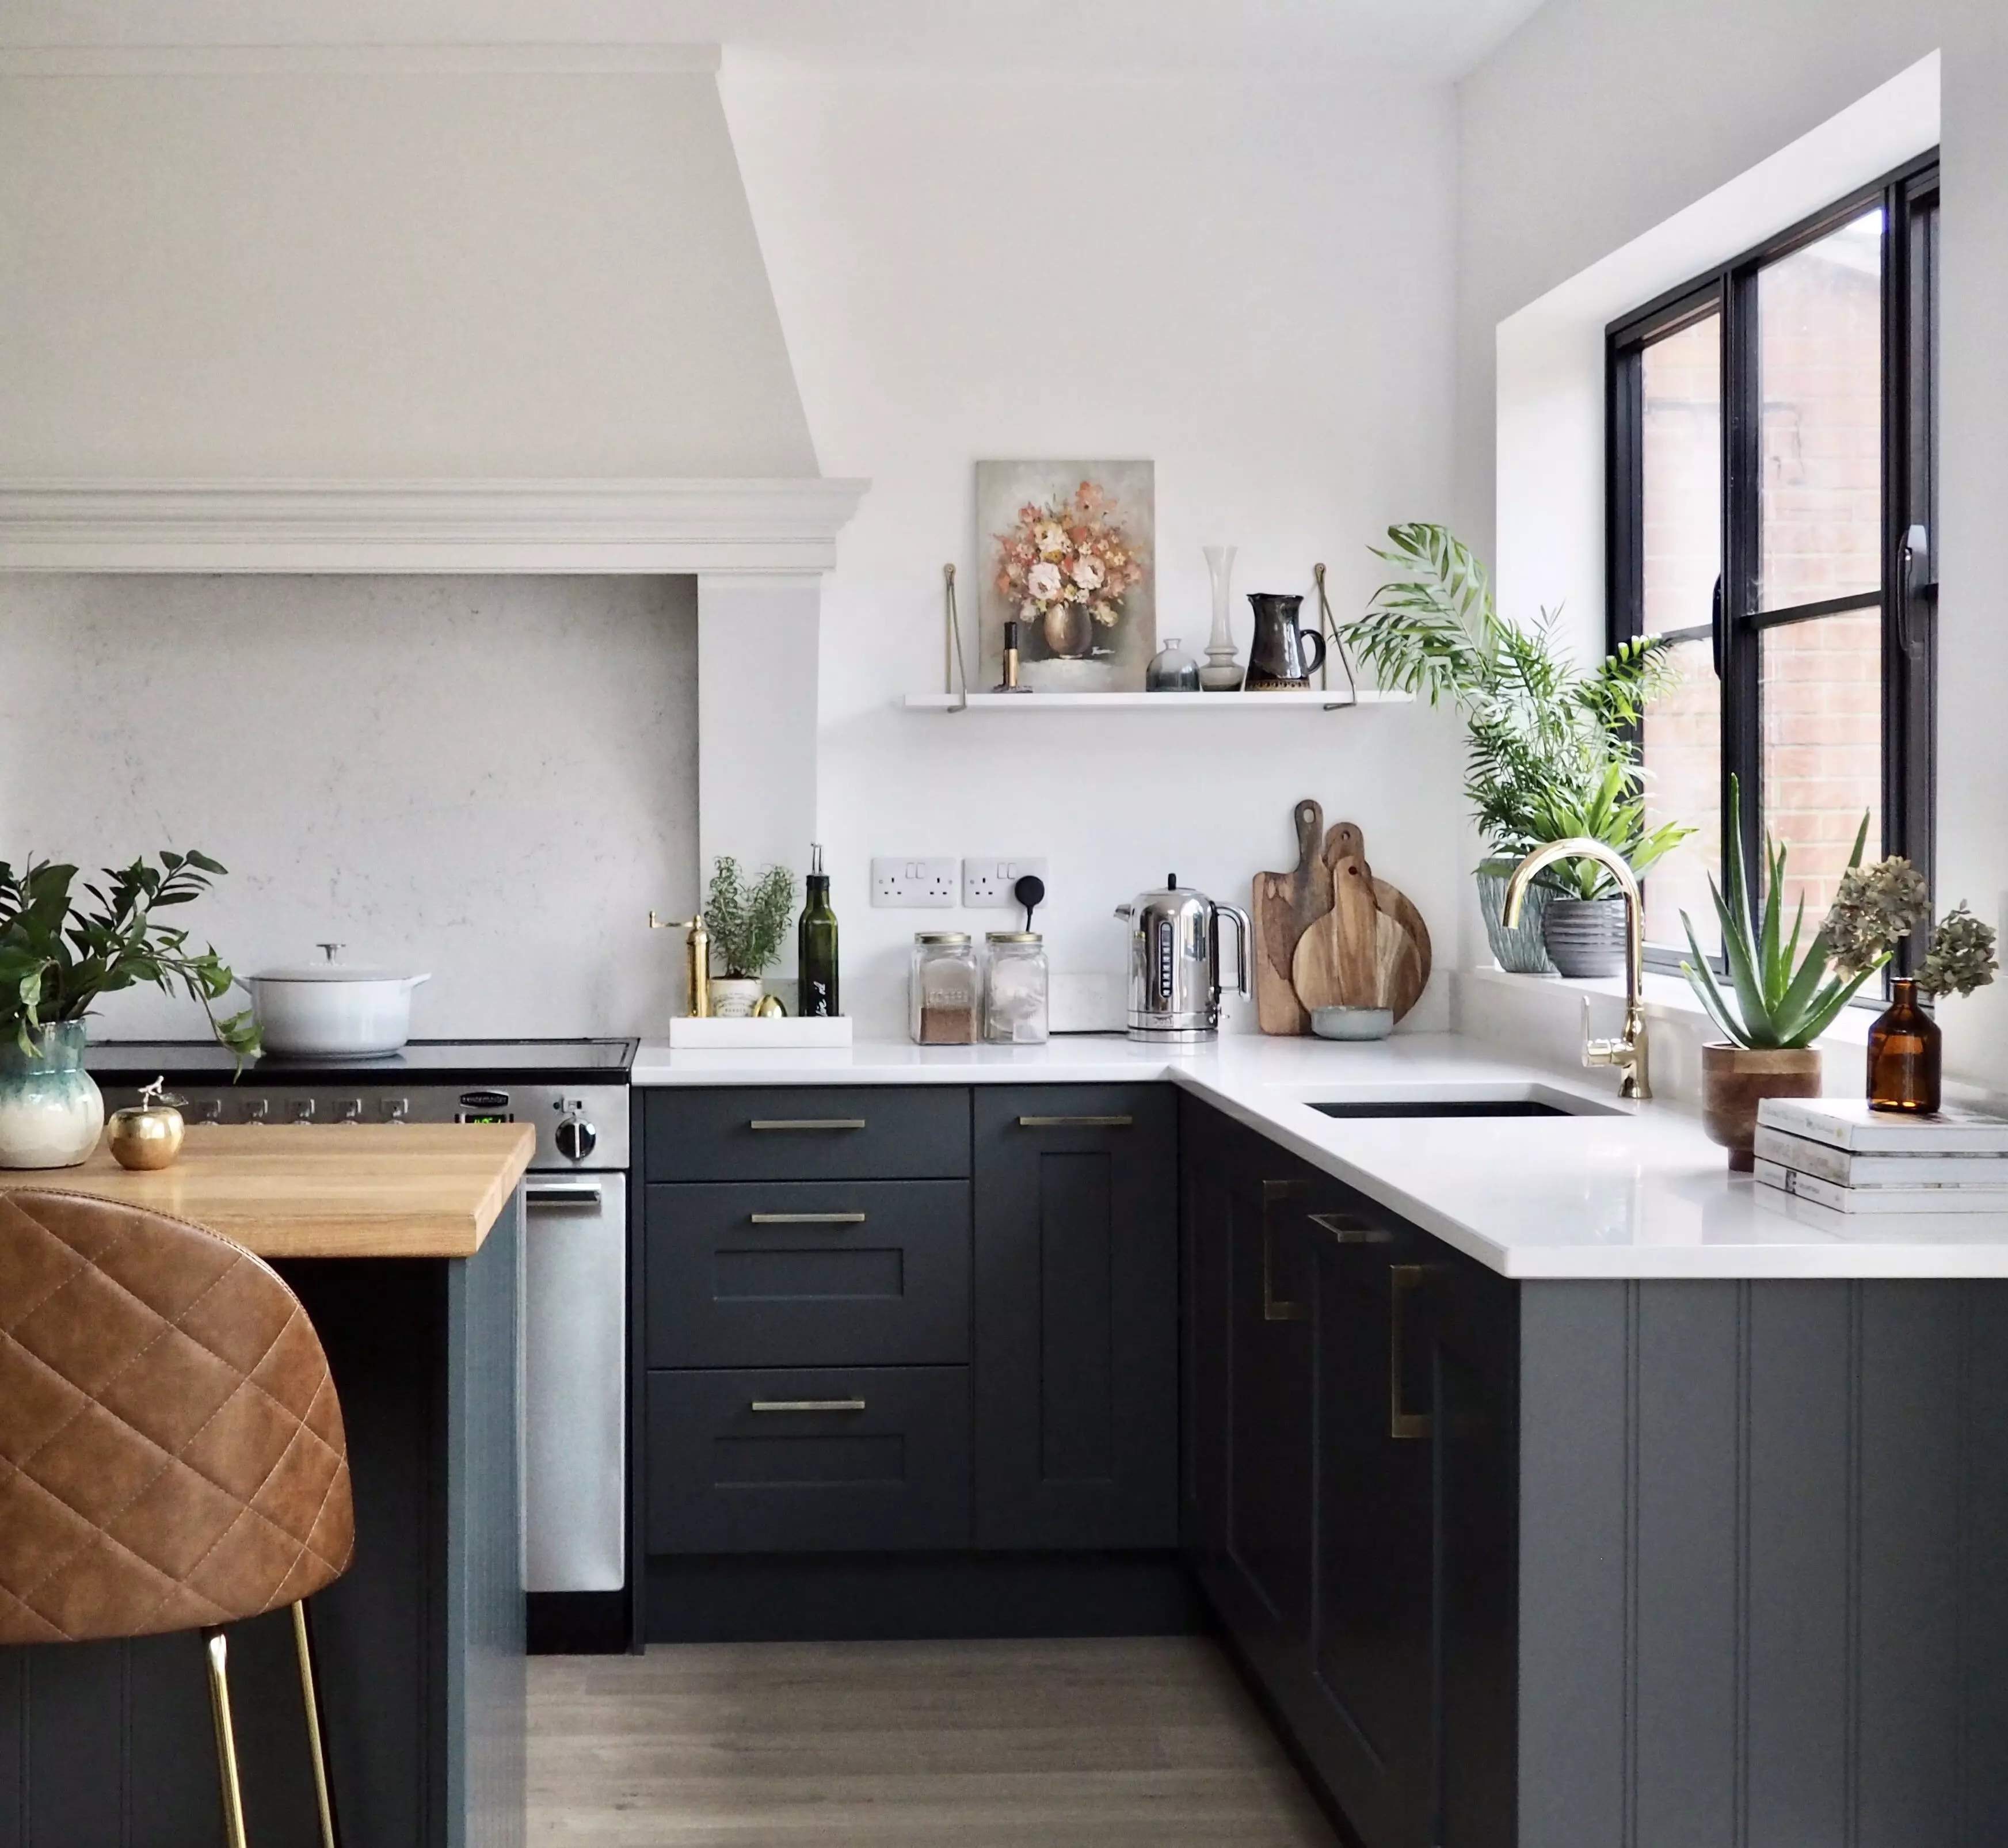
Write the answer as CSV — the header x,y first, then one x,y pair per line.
x,y
311,1700
217,1652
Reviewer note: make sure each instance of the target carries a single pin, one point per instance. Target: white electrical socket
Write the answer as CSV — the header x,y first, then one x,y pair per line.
x,y
900,883
987,882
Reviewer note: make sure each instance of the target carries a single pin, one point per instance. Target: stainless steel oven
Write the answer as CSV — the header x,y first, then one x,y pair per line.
x,y
575,1381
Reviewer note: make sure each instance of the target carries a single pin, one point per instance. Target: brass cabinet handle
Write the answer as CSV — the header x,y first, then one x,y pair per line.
x,y
1349,1228
1403,1280
1076,1122
1273,1308
806,1218
808,1405
806,1123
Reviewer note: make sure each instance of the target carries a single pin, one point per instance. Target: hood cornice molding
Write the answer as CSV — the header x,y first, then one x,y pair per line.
x,y
715,527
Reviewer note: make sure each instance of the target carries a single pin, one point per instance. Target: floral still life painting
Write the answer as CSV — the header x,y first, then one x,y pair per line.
x,y
1065,550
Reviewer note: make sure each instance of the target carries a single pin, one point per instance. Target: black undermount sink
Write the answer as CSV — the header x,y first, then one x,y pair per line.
x,y
1459,1107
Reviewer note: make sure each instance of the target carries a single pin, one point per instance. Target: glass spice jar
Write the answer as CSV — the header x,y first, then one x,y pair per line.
x,y
1904,1054
1014,989
943,989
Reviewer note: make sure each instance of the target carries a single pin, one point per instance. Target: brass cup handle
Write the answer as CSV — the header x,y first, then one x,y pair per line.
x,y
1275,1308
1403,1281
1349,1228
807,1405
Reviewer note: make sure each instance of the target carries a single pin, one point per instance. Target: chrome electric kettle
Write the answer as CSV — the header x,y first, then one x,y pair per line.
x,y
1175,987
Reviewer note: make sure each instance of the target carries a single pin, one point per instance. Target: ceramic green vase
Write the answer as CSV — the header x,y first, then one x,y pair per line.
x,y
52,1111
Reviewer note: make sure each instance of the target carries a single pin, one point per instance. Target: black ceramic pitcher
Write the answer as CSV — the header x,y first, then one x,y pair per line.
x,y
1282,656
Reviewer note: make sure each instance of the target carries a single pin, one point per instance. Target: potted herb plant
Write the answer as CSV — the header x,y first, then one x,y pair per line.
x,y
749,919
1777,1001
1548,751
61,948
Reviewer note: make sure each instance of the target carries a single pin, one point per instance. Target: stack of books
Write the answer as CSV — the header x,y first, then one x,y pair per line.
x,y
1839,1153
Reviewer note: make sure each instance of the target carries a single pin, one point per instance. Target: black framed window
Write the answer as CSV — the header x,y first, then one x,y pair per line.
x,y
1771,501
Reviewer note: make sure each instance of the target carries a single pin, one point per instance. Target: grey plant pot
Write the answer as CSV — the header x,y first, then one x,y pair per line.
x,y
1585,937
1519,951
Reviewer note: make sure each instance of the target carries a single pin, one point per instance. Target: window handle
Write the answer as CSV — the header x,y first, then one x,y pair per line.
x,y
1715,626
1915,571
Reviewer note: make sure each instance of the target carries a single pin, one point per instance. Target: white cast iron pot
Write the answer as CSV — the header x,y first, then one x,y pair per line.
x,y
333,1010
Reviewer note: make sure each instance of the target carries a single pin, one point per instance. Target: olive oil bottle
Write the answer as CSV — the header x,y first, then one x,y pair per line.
x,y
815,942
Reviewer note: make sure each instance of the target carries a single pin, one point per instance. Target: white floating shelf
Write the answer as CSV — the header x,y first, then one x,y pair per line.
x,y
1336,701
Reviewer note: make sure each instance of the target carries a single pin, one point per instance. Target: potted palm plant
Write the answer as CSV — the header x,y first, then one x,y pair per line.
x,y
749,919
1549,750
62,947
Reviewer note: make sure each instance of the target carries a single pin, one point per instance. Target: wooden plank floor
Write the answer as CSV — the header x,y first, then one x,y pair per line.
x,y
1134,1743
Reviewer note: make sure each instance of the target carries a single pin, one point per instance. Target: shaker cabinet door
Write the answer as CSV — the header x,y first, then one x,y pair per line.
x,y
1075,1358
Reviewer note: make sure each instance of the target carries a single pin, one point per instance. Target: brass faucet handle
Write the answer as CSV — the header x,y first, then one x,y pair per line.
x,y
674,923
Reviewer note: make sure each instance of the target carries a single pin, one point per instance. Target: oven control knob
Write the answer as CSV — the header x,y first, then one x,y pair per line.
x,y
303,1110
576,1138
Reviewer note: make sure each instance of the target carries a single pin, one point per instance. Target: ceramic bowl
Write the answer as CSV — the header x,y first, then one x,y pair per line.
x,y
1352,1023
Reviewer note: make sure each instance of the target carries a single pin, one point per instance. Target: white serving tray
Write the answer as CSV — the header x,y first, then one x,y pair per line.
x,y
782,1032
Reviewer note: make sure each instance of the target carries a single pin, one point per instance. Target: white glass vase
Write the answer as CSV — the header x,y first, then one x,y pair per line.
x,y
1222,673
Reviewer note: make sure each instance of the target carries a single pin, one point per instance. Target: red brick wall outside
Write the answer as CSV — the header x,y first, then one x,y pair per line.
x,y
1822,330
1821,503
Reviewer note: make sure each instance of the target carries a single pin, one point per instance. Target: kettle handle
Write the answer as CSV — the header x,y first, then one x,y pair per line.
x,y
1242,934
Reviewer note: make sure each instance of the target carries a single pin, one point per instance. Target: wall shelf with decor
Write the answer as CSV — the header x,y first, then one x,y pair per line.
x,y
1333,702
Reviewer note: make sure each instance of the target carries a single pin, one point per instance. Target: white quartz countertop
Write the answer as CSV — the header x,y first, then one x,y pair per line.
x,y
1626,1190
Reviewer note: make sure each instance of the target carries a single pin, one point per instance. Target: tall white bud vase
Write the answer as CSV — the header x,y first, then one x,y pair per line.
x,y
1222,673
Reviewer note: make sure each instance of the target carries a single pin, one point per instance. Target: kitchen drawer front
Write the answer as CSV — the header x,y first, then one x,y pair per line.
x,y
775,1273
864,1459
847,1132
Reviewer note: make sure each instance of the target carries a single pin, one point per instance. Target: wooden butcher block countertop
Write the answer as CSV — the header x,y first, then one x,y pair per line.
x,y
336,1190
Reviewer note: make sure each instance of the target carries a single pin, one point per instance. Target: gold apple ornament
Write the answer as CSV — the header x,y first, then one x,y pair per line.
x,y
147,1134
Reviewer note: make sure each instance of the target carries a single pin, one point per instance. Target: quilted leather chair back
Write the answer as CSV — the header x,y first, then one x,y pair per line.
x,y
171,1452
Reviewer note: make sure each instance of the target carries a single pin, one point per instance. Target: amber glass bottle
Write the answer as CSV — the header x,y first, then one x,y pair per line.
x,y
1904,1050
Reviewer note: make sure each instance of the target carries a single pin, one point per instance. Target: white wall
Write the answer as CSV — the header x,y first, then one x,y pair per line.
x,y
1595,123
1248,281
388,266
493,779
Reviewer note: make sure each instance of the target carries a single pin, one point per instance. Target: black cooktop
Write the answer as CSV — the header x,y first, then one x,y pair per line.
x,y
423,1061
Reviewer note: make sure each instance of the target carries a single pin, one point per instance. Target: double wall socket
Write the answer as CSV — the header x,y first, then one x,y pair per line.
x,y
916,884
899,882
987,883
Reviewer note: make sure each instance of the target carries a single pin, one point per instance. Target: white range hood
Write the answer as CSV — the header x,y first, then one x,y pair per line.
x,y
448,308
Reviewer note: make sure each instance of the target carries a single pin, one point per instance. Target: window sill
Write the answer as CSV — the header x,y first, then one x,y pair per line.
x,y
1666,997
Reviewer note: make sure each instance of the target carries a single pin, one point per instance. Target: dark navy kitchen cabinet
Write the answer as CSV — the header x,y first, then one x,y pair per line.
x,y
1075,1317
1560,1563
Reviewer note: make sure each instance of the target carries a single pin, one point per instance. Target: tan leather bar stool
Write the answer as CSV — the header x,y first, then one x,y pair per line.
x,y
171,1455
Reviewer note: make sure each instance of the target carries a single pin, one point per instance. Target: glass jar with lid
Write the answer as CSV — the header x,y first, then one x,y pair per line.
x,y
1014,989
944,989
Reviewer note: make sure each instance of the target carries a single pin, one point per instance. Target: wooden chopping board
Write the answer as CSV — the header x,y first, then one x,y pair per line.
x,y
1285,906
1372,949
1335,959
1406,985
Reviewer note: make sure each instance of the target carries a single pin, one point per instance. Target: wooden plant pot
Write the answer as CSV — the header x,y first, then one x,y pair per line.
x,y
1735,1080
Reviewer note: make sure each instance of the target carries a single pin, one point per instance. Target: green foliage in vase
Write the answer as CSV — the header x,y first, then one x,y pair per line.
x,y
748,918
1549,745
1777,999
62,946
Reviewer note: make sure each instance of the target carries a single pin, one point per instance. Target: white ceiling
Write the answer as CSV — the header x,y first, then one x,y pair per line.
x,y
1082,38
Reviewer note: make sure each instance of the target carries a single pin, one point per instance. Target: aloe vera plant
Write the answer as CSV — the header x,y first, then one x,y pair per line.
x,y
1777,999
